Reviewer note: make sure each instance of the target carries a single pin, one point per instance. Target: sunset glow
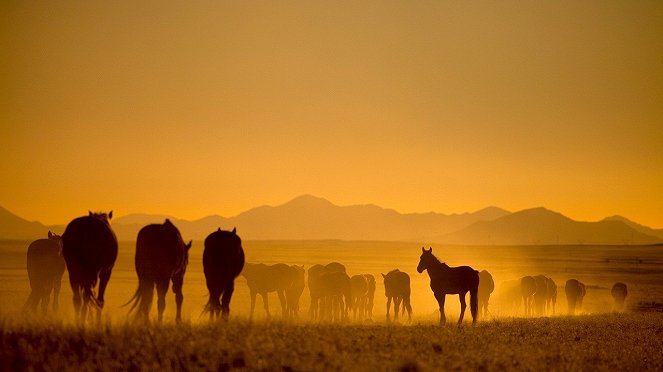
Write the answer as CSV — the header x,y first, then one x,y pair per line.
x,y
218,107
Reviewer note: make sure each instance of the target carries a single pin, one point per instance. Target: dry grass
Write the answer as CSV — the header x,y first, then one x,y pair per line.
x,y
603,342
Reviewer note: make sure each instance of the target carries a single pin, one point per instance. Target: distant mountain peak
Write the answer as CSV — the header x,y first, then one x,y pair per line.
x,y
308,200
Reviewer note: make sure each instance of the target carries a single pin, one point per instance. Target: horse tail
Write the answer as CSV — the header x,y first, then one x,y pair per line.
x,y
144,287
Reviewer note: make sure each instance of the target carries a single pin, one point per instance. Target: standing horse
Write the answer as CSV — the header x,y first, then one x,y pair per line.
x,y
45,269
223,260
575,292
486,287
263,279
315,286
161,256
552,296
370,297
450,280
619,293
527,290
541,295
397,287
294,293
89,247
358,295
336,295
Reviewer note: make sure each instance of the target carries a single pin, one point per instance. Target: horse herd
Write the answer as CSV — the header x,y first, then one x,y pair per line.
x,y
88,250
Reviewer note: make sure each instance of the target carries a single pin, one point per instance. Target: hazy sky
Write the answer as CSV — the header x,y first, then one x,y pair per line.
x,y
198,108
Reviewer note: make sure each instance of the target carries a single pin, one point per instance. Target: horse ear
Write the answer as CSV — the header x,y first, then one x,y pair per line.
x,y
423,249
188,246
50,234
430,250
384,276
219,229
89,213
235,230
110,215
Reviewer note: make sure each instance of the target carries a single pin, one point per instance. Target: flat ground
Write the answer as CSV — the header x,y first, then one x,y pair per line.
x,y
591,342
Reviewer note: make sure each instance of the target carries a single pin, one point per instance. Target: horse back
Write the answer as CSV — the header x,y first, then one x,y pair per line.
x,y
223,256
89,246
44,260
160,251
455,280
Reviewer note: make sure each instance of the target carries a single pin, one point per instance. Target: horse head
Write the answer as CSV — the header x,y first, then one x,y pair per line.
x,y
425,260
56,238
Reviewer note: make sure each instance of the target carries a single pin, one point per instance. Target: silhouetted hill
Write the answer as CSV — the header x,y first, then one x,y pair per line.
x,y
310,217
637,227
14,227
542,226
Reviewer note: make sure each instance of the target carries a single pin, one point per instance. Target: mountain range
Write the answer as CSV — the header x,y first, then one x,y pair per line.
x,y
312,218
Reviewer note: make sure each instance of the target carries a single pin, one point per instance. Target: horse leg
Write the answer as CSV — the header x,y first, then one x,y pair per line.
x,y
312,310
397,306
461,297
76,289
441,297
162,289
406,305
388,306
104,276
284,304
474,305
265,302
57,284
225,301
46,296
178,283
253,304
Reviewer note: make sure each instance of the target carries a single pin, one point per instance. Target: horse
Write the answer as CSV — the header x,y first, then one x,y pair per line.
x,y
335,295
575,292
527,290
294,293
541,296
486,287
397,287
370,297
619,293
451,280
358,295
263,279
552,296
223,261
45,266
314,286
89,247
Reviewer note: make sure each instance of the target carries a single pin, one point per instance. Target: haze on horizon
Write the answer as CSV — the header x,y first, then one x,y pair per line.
x,y
217,107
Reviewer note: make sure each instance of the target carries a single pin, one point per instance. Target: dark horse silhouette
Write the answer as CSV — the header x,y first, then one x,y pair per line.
x,y
486,287
161,256
397,287
575,292
223,260
45,269
619,293
89,247
450,280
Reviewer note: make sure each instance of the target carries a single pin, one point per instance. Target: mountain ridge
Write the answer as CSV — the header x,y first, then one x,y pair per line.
x,y
309,217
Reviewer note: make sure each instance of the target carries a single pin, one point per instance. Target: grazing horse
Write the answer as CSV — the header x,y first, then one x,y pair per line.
x,y
486,287
358,295
294,293
552,296
527,290
450,280
397,287
370,297
89,247
541,295
315,287
223,260
619,293
263,279
161,256
45,269
335,295
575,292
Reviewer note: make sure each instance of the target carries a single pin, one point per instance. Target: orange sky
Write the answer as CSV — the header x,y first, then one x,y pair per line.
x,y
217,107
